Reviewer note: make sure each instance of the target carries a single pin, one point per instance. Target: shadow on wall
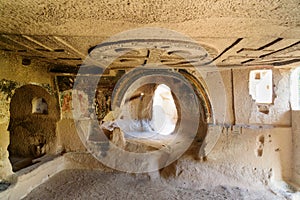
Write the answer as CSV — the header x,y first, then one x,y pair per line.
x,y
33,117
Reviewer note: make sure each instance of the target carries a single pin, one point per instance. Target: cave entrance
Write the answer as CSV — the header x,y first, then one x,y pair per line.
x,y
33,117
164,111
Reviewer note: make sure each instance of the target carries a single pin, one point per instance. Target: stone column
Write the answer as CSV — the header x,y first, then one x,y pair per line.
x,y
296,146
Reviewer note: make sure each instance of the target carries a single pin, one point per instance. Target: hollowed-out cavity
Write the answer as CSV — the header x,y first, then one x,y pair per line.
x,y
158,103
33,117
39,106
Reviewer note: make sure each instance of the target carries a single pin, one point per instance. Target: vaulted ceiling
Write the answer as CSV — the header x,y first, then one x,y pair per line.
x,y
234,33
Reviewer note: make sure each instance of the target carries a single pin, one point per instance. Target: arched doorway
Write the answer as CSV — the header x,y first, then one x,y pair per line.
x,y
164,111
33,117
161,103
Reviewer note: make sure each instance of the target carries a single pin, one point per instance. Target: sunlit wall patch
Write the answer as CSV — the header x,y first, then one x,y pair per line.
x,y
295,89
261,86
164,113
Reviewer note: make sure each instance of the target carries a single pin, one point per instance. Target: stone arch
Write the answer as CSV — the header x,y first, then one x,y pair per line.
x,y
148,90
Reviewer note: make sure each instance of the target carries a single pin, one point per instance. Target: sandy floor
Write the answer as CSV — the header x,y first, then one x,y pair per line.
x,y
89,184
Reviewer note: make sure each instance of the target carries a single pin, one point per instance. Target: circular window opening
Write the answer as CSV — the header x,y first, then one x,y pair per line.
x,y
164,112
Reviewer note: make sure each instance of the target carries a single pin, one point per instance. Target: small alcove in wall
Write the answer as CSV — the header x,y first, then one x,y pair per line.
x,y
39,106
261,88
33,117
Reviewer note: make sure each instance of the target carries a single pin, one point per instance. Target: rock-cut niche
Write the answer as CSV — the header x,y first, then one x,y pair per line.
x,y
33,117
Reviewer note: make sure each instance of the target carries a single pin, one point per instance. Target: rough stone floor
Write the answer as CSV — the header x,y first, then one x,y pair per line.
x,y
92,184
